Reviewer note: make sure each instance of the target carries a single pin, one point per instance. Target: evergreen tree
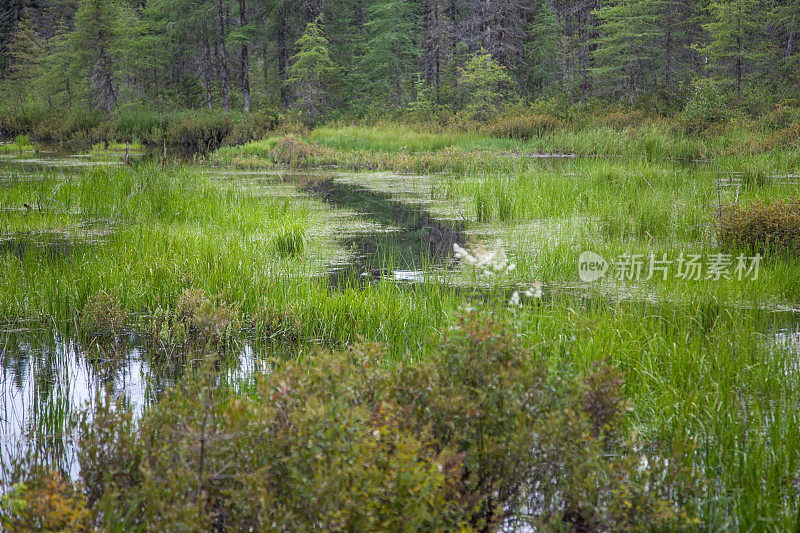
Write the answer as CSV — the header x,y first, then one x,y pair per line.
x,y
787,16
437,34
25,53
392,53
736,47
311,70
97,48
625,48
542,47
488,83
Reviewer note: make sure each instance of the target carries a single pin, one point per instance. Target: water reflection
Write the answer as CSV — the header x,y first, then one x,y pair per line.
x,y
47,379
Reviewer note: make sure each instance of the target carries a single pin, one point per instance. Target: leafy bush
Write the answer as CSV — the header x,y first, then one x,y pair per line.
x,y
146,126
705,108
784,139
781,117
49,503
102,316
762,227
75,125
481,436
523,127
254,127
623,119
203,131
290,150
197,320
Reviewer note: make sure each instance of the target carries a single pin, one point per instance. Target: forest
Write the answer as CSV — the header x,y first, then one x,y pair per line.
x,y
352,58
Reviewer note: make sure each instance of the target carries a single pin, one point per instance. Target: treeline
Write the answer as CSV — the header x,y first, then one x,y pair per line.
x,y
324,56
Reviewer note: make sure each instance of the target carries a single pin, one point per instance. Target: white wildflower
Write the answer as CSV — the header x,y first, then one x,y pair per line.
x,y
535,291
514,301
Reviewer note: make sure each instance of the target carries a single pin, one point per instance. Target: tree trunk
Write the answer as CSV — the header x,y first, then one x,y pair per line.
x,y
207,67
283,56
739,59
668,52
245,59
790,39
223,52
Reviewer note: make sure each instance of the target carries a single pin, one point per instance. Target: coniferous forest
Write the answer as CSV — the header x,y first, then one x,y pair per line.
x,y
336,58
399,265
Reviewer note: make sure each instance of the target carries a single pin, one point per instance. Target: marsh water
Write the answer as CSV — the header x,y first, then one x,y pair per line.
x,y
48,377
392,236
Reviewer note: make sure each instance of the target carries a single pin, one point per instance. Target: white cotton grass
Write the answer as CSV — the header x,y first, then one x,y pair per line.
x,y
533,293
493,264
487,262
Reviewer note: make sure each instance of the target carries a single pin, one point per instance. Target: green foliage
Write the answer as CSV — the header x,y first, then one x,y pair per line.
x,y
97,45
475,438
47,503
198,321
203,131
542,50
487,82
762,227
102,317
628,40
523,126
392,52
26,54
312,70
289,241
705,108
290,150
734,48
254,127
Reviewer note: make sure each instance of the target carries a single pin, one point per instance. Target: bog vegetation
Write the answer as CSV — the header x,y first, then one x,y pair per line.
x,y
335,246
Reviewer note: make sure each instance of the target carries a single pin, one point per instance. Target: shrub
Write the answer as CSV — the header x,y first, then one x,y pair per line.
x,y
481,436
531,440
102,316
781,117
197,320
292,151
762,227
784,139
203,131
623,119
146,126
254,127
75,125
523,126
49,503
705,108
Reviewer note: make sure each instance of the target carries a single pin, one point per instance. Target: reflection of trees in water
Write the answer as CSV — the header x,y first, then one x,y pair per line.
x,y
421,239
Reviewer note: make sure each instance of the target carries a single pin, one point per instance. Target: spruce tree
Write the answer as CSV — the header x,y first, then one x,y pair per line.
x,y
487,82
26,54
736,48
542,48
625,48
392,53
311,70
97,48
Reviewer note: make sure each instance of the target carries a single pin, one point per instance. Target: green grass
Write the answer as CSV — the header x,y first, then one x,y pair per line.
x,y
700,357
